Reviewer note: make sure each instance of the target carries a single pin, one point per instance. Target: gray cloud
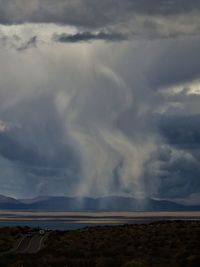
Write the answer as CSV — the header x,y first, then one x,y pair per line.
x,y
175,173
89,12
107,132
17,43
102,118
89,36
141,19
172,62
38,156
32,42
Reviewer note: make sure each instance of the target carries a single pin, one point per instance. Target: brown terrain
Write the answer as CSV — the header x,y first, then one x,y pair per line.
x,y
158,244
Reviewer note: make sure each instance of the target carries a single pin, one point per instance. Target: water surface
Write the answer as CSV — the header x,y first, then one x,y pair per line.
x,y
76,220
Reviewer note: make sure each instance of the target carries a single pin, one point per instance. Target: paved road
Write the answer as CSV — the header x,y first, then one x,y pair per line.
x,y
30,244
35,244
22,246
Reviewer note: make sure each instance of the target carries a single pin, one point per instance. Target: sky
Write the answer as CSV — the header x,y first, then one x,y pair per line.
x,y
100,98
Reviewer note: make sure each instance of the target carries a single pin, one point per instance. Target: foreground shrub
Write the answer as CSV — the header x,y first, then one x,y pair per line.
x,y
135,264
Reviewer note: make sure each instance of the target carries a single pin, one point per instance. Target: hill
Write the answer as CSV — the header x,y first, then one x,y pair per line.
x,y
113,203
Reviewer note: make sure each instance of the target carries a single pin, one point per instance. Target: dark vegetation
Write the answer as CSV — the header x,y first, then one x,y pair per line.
x,y
160,244
9,237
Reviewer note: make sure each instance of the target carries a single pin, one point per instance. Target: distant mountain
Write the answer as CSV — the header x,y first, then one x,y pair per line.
x,y
33,200
114,203
4,199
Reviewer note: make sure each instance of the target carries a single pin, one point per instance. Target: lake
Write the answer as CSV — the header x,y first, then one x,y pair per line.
x,y
75,220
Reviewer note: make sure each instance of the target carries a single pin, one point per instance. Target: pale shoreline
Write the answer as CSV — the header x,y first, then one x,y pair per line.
x,y
118,217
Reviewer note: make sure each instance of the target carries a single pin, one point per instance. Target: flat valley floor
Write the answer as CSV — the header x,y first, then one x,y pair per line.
x,y
74,220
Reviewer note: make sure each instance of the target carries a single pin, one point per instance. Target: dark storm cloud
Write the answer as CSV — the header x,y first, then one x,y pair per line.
x,y
174,168
174,171
89,13
89,36
118,125
12,150
182,170
46,162
172,64
17,43
32,42
183,131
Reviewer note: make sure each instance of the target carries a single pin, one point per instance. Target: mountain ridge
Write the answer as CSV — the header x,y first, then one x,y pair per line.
x,y
109,203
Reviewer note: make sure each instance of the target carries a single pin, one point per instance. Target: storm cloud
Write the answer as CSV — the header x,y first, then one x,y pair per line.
x,y
89,36
89,12
115,117
158,18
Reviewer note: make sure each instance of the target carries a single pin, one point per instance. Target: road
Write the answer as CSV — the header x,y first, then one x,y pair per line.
x,y
30,244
